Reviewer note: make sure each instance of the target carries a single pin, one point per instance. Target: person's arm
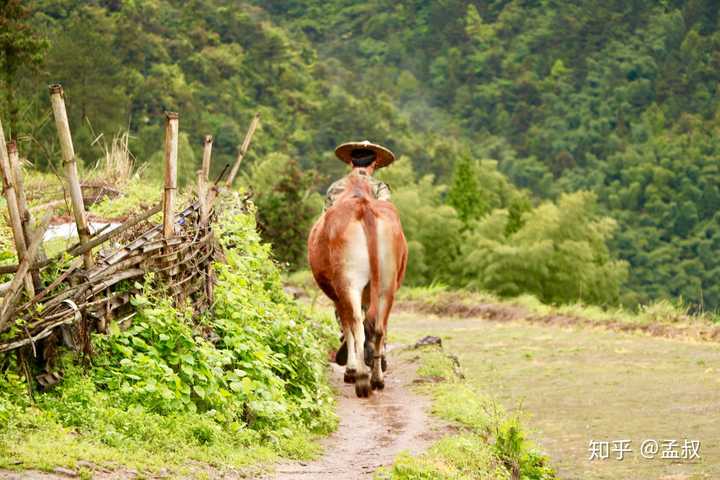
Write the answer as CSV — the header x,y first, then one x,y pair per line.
x,y
333,192
382,191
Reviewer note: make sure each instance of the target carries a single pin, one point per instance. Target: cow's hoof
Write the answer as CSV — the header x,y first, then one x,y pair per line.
x,y
362,385
349,376
377,384
369,353
341,355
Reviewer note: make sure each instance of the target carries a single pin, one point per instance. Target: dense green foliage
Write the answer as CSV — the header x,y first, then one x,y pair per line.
x,y
557,252
250,372
618,98
287,204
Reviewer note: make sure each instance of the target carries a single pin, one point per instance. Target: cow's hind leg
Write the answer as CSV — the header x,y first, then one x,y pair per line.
x,y
344,311
342,352
385,303
362,376
377,381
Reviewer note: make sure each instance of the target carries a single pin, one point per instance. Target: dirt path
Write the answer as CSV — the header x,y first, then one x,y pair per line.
x,y
372,431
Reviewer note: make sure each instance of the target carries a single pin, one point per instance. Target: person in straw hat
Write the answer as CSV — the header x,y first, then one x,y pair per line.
x,y
365,158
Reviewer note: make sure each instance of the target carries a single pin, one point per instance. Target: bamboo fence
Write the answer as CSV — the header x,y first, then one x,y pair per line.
x,y
95,285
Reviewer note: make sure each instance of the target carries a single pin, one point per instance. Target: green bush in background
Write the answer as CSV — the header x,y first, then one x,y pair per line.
x,y
501,243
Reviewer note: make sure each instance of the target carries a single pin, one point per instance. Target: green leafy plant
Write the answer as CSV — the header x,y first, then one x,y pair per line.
x,y
250,373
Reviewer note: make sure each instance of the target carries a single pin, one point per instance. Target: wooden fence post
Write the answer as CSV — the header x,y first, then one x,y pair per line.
x,y
202,181
202,192
171,158
243,150
207,154
25,215
70,166
13,210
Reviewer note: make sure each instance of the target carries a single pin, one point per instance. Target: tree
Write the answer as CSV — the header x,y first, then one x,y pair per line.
x,y
464,194
560,254
20,46
286,206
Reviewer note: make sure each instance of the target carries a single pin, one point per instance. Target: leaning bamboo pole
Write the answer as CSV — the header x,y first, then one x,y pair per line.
x,y
71,172
25,215
13,210
171,158
243,150
6,310
16,168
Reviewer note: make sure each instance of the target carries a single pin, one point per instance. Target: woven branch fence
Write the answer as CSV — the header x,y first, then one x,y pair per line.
x,y
95,284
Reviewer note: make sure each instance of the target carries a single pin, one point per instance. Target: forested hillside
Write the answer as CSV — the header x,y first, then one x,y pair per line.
x,y
617,97
500,110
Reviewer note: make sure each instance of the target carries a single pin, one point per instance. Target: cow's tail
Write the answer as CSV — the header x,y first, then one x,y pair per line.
x,y
370,228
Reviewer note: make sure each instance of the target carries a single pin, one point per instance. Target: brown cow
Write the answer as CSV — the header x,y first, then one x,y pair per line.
x,y
358,254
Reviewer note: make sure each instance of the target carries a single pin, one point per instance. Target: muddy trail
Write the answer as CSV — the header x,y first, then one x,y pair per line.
x,y
372,431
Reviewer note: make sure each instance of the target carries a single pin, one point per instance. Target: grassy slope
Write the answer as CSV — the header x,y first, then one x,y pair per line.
x,y
438,298
489,443
662,318
574,385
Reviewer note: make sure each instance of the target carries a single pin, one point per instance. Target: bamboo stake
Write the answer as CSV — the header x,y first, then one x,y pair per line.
x,y
11,296
202,192
13,210
171,154
207,153
243,150
25,215
71,172
19,188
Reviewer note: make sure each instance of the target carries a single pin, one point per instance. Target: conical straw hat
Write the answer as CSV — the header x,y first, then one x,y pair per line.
x,y
384,156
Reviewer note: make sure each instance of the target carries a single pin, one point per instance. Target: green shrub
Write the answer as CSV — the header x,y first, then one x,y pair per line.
x,y
487,236
286,206
560,254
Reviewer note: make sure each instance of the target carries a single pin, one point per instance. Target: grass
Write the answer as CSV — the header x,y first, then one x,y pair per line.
x,y
490,443
662,312
44,444
571,386
138,194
